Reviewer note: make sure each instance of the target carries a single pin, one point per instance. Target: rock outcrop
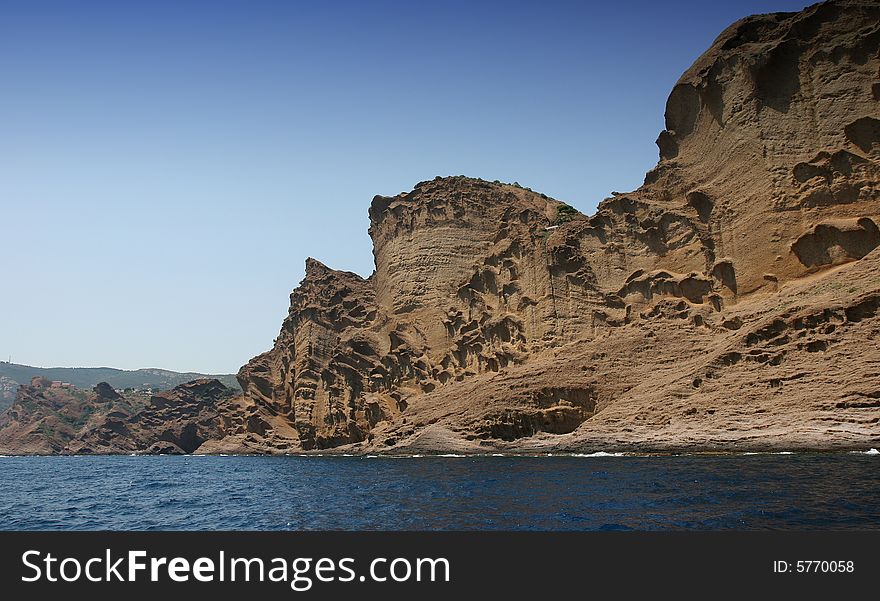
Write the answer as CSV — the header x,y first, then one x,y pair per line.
x,y
171,422
499,318
105,392
47,418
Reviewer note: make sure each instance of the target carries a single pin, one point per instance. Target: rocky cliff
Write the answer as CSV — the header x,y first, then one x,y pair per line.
x,y
730,301
50,418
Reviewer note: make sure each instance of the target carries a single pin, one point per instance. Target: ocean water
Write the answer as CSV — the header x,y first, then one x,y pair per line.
x,y
783,491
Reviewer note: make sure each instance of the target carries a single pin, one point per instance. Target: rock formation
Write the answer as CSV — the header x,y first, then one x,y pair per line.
x,y
718,305
729,303
47,418
171,422
105,392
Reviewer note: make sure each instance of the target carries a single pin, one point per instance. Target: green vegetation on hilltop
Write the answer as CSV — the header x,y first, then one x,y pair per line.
x,y
87,377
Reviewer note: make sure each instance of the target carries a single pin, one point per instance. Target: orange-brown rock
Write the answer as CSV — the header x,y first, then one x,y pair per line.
x,y
47,419
730,302
43,419
175,421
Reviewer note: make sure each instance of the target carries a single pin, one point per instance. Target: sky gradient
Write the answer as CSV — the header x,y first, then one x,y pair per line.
x,y
166,167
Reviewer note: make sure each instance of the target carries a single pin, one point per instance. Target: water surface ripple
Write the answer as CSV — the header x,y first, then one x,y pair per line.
x,y
802,491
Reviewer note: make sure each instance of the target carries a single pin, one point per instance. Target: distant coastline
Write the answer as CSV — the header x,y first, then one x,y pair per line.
x,y
12,375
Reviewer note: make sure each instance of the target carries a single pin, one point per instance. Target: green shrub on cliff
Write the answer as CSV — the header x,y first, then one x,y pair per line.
x,y
565,213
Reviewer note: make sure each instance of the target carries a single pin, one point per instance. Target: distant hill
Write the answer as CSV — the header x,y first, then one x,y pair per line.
x,y
12,374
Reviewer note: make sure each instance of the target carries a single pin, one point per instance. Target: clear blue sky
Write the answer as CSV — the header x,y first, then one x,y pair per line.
x,y
166,167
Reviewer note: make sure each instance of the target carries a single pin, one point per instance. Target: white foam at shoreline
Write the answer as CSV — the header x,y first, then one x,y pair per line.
x,y
871,451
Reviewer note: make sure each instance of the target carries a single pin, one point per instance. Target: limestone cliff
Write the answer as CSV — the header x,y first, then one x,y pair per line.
x,y
500,318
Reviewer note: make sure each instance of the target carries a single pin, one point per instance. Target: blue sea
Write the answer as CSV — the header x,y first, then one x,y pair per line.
x,y
772,491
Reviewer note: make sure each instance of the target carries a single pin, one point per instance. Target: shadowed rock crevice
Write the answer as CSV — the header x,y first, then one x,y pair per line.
x,y
835,242
864,133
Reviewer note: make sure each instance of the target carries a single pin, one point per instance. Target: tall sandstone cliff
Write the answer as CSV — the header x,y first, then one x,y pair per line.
x,y
730,302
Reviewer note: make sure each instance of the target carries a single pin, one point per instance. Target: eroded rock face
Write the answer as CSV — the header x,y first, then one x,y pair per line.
x,y
175,421
730,302
42,419
468,281
47,419
776,125
838,241
486,295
